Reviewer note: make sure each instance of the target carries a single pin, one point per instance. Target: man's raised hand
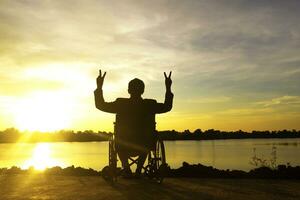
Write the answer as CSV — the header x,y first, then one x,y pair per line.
x,y
100,79
168,80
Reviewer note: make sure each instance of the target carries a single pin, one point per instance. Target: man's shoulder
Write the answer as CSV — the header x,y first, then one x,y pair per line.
x,y
122,99
127,100
150,101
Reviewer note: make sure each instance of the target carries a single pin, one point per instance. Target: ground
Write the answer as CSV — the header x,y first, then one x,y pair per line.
x,y
17,187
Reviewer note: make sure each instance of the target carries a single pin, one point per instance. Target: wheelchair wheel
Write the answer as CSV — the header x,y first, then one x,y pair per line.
x,y
110,172
157,162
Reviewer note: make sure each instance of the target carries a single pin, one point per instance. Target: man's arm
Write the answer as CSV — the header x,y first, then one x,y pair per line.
x,y
99,99
168,104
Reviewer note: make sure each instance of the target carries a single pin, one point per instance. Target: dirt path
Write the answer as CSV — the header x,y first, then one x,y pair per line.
x,y
16,187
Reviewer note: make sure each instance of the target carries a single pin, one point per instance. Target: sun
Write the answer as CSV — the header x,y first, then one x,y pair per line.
x,y
42,112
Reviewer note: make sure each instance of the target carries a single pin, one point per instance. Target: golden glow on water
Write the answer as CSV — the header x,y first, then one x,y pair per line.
x,y
222,154
42,158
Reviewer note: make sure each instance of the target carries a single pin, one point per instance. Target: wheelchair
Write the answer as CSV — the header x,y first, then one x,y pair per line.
x,y
154,167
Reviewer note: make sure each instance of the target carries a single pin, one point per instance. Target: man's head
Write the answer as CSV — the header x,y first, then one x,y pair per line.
x,y
136,87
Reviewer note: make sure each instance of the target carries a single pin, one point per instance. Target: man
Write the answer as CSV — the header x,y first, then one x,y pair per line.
x,y
135,119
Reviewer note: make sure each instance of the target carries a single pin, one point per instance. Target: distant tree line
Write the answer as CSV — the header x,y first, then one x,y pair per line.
x,y
14,135
212,134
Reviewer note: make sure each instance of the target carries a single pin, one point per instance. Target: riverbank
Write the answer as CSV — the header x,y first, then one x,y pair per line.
x,y
186,170
39,186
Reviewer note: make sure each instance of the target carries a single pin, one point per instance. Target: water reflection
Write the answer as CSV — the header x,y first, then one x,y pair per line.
x,y
281,143
232,154
223,154
42,158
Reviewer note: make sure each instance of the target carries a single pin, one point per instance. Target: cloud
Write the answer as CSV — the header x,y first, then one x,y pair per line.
x,y
209,100
281,101
248,112
279,106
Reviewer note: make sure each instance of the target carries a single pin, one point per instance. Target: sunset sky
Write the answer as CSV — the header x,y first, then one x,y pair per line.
x,y
235,63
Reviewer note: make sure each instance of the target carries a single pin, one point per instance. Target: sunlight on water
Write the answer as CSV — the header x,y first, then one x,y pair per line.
x,y
222,154
41,158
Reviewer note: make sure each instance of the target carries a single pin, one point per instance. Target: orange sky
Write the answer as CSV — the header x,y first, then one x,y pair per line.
x,y
235,64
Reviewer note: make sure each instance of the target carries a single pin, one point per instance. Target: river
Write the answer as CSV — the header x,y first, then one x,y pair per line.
x,y
222,154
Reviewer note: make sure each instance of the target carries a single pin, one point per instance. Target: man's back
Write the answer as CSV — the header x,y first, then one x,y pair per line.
x,y
135,123
136,114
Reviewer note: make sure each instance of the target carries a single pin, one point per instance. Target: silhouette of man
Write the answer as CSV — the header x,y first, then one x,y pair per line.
x,y
135,119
